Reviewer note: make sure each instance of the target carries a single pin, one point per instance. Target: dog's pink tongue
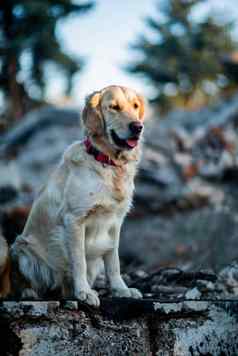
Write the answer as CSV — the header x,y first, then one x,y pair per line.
x,y
132,143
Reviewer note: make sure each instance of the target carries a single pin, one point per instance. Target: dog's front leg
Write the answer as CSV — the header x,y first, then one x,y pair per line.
x,y
112,268
76,244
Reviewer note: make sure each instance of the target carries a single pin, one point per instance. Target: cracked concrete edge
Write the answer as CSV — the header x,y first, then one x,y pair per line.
x,y
209,328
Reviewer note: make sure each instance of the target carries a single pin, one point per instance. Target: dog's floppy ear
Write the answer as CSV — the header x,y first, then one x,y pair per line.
x,y
92,115
142,106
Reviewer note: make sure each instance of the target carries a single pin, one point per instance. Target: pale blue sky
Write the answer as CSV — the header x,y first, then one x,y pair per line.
x,y
103,35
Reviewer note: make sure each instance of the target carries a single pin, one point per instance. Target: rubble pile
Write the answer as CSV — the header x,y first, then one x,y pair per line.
x,y
175,284
189,154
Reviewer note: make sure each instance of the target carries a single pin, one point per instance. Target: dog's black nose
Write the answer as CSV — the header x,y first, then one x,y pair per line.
x,y
135,127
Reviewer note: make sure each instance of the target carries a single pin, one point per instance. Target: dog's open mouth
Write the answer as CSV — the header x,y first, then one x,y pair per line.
x,y
128,143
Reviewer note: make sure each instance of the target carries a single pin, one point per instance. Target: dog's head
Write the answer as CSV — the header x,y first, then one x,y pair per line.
x,y
115,114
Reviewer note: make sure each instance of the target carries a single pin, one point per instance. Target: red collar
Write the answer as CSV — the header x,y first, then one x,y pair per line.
x,y
99,156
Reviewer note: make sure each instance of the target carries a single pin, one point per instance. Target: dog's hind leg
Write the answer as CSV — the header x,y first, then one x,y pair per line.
x,y
33,277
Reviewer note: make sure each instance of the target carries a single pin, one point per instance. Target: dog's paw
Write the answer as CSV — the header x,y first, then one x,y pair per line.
x,y
88,296
127,293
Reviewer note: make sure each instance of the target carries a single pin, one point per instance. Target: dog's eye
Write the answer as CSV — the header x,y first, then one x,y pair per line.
x,y
115,107
136,105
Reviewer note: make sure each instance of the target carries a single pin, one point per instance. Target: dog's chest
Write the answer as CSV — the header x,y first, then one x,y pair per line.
x,y
107,215
118,186
100,229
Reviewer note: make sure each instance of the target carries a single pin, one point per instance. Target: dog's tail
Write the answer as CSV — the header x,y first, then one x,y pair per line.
x,y
5,268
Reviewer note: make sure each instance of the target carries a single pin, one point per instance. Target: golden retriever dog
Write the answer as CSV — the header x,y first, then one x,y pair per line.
x,y
73,228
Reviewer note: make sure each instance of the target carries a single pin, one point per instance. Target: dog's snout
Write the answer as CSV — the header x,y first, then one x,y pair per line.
x,y
135,127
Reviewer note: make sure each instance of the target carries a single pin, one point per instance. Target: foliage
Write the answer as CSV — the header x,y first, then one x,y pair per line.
x,y
183,60
28,33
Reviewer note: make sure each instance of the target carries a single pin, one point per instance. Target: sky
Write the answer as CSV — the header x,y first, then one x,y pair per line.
x,y
102,37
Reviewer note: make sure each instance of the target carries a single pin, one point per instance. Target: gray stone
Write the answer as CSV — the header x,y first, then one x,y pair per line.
x,y
180,329
193,294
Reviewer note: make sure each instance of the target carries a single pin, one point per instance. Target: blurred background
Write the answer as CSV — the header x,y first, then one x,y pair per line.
x,y
183,56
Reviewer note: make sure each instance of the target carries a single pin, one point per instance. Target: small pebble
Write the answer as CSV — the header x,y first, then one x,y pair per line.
x,y
193,294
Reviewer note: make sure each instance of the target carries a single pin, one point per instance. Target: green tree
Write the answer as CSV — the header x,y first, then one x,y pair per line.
x,y
183,60
28,28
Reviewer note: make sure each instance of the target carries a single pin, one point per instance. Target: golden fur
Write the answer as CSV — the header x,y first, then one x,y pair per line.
x,y
73,228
